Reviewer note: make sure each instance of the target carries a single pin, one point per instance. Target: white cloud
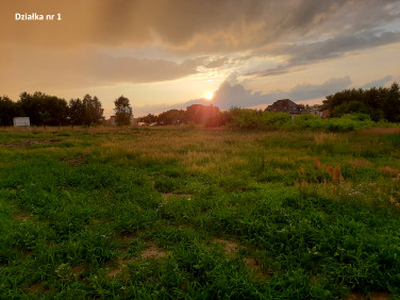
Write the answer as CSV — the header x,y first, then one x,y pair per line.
x,y
228,95
378,83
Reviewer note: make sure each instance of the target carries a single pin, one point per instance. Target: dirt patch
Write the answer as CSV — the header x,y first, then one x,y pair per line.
x,y
380,296
29,143
372,296
153,252
360,162
77,270
98,221
22,217
255,267
36,288
121,269
251,263
76,161
125,239
169,195
380,130
389,171
114,272
230,246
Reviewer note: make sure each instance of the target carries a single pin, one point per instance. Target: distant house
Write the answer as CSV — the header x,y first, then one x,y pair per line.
x,y
21,121
325,113
111,121
287,106
314,110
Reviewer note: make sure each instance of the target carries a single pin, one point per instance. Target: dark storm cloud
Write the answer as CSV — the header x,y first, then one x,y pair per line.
x,y
127,69
90,67
303,31
195,25
302,54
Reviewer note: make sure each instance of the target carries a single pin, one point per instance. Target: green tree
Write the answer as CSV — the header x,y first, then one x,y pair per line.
x,y
31,106
123,111
55,111
76,112
350,108
172,117
377,103
8,110
40,107
391,103
201,114
93,112
46,117
150,118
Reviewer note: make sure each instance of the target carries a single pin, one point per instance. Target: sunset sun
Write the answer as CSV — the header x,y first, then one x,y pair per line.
x,y
209,96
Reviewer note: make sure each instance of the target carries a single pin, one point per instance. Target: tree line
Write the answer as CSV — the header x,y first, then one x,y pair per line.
x,y
376,103
209,115
379,103
43,109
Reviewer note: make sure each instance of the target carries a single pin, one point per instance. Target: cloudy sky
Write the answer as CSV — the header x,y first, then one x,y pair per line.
x,y
164,54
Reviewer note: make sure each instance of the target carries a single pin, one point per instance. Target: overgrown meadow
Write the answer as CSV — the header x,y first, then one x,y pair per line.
x,y
185,213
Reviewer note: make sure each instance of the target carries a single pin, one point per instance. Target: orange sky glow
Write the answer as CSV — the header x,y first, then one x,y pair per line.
x,y
164,54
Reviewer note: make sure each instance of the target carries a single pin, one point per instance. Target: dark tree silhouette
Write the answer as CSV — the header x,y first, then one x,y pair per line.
x,y
150,118
8,110
201,114
76,112
93,112
40,107
377,103
123,111
172,117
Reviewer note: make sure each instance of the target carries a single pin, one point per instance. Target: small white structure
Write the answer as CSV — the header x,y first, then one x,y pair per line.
x,y
111,121
21,121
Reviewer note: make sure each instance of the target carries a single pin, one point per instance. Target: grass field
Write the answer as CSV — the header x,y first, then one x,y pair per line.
x,y
185,213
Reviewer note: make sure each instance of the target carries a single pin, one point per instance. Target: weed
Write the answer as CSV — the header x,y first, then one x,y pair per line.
x,y
334,172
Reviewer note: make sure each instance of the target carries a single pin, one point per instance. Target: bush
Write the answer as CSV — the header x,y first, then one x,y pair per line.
x,y
349,122
306,121
247,119
257,119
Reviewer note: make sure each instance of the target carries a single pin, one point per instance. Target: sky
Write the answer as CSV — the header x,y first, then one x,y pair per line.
x,y
165,54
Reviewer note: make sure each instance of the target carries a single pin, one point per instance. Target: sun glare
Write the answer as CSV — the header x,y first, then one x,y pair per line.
x,y
209,96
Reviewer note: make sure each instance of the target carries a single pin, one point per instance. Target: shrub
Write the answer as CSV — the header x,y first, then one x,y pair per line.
x,y
349,122
247,119
257,119
306,121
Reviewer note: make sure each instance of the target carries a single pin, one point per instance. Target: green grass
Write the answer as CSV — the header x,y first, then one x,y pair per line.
x,y
172,213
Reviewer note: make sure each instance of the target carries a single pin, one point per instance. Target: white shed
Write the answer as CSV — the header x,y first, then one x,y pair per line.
x,y
21,121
